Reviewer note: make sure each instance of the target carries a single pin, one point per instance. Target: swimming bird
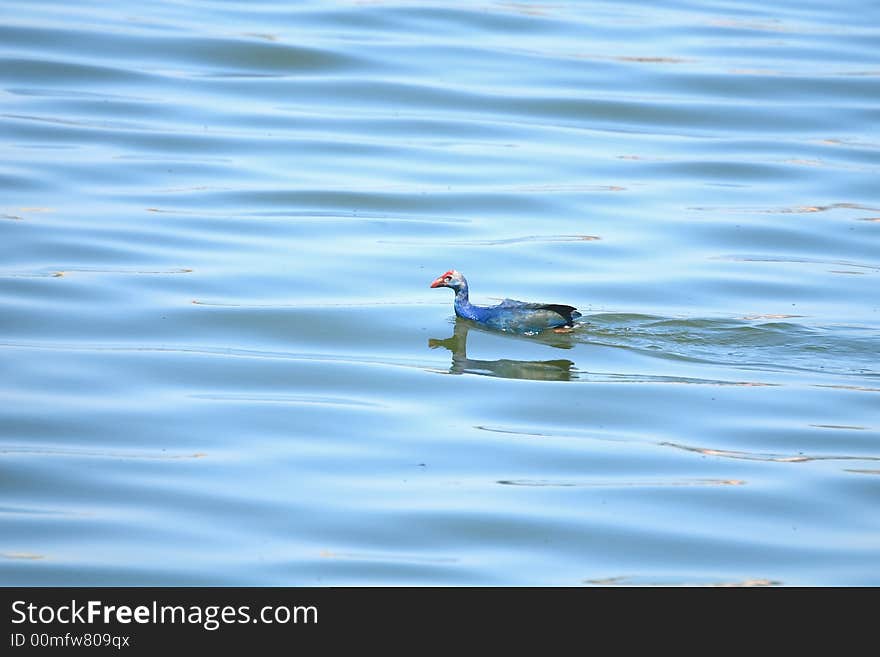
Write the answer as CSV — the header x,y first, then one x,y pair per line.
x,y
509,315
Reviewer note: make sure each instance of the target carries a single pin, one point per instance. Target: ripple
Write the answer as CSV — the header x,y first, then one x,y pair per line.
x,y
319,216
28,511
295,400
619,484
786,259
508,241
91,270
81,453
227,352
800,209
847,387
775,458
25,70
646,580
388,558
25,556
341,304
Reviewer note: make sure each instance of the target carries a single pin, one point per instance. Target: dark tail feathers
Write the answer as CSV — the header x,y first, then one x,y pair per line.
x,y
569,313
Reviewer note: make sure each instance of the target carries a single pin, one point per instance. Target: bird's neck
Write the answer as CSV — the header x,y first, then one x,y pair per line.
x,y
463,306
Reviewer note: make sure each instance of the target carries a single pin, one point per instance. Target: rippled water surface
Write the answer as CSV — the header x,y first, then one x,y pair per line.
x,y
222,363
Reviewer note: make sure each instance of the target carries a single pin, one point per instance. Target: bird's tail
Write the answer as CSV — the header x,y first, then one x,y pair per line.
x,y
569,313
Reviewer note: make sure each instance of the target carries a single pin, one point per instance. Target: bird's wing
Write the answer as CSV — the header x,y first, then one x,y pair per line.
x,y
514,308
513,304
562,309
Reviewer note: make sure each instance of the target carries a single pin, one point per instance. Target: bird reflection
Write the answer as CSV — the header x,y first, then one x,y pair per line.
x,y
537,370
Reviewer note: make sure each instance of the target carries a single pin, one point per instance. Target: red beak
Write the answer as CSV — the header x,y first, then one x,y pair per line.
x,y
438,282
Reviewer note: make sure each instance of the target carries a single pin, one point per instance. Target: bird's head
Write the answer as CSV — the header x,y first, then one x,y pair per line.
x,y
451,279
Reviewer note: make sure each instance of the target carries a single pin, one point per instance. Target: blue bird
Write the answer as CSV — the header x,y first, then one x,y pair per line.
x,y
509,315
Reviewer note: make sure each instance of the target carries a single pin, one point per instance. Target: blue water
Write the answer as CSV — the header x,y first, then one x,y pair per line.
x,y
222,364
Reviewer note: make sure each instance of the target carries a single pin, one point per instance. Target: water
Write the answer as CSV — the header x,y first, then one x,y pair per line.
x,y
222,363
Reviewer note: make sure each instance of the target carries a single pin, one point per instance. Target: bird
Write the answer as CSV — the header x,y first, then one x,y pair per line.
x,y
509,315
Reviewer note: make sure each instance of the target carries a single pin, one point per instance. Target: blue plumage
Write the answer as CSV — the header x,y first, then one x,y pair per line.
x,y
509,315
